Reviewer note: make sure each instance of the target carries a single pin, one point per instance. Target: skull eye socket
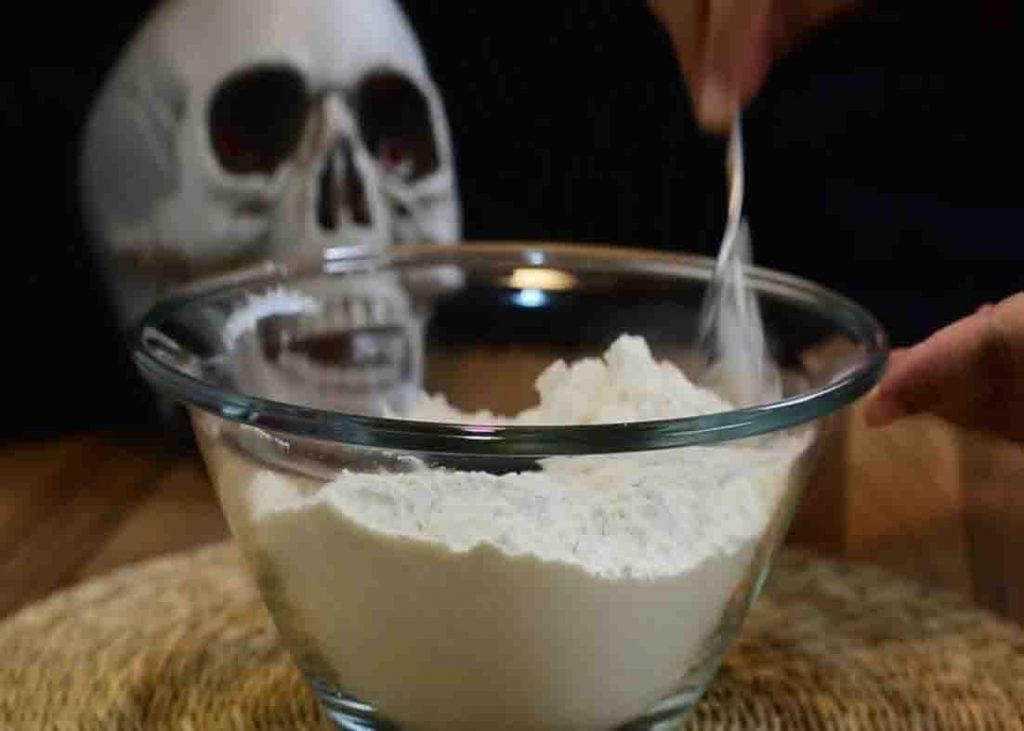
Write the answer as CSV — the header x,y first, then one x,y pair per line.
x,y
394,117
256,119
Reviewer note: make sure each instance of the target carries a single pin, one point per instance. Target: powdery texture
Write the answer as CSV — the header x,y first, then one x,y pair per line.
x,y
574,597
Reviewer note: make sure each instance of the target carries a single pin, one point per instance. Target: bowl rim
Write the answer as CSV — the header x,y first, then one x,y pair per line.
x,y
511,441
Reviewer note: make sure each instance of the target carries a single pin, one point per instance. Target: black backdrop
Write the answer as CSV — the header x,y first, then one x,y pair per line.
x,y
882,157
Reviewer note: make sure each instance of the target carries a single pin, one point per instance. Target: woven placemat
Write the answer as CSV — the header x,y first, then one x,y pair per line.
x,y
184,643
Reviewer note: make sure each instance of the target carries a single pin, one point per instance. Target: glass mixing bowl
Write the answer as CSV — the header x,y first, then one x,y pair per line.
x,y
472,575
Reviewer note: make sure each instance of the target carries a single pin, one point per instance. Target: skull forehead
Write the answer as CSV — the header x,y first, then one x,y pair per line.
x,y
329,41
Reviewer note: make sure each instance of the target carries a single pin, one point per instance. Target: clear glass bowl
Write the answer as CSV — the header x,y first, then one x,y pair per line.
x,y
619,608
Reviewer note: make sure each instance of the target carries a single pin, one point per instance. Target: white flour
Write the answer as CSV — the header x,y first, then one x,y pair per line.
x,y
574,597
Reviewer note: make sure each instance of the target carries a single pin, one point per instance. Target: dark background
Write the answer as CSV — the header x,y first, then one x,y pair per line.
x,y
882,161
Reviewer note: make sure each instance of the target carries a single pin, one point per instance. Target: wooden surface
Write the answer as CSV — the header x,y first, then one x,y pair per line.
x,y
81,505
934,504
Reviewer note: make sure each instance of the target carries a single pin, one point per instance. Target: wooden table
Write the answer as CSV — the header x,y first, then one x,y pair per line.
x,y
941,506
84,504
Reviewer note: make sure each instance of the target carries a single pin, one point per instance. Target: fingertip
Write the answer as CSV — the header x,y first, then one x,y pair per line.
x,y
880,413
897,354
880,409
716,105
893,363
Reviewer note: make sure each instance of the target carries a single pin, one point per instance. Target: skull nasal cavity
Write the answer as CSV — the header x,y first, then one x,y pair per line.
x,y
339,188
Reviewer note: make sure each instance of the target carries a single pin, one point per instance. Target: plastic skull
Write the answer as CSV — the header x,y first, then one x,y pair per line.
x,y
232,130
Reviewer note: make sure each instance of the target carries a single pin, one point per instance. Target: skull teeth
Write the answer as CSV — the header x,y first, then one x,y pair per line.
x,y
378,310
359,313
334,318
319,375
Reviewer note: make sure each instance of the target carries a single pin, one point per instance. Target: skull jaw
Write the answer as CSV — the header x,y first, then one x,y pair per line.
x,y
359,351
392,390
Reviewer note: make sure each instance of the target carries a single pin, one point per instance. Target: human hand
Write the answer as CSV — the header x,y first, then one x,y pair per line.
x,y
726,47
970,373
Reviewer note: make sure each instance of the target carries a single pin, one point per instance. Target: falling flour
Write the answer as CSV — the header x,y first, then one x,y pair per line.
x,y
577,596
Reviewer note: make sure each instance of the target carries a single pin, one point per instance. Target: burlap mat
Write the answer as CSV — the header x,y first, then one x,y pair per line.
x,y
184,643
